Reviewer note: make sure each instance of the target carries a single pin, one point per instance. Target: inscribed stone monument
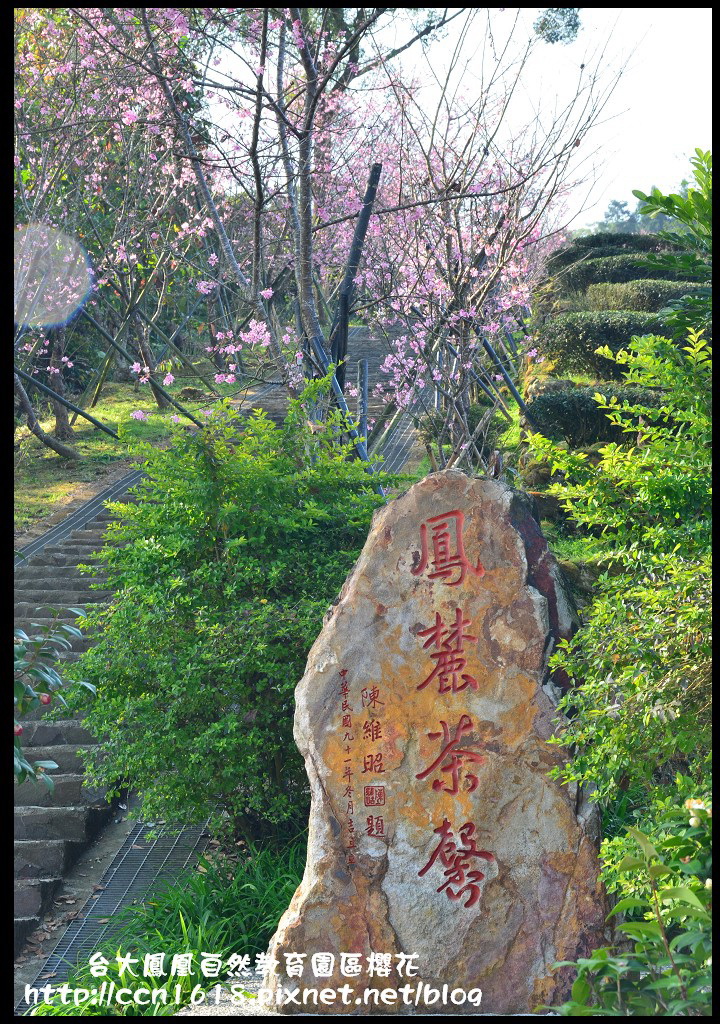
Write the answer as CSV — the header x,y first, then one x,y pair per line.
x,y
423,716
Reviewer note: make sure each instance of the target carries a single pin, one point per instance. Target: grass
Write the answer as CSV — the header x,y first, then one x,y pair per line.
x,y
228,905
44,481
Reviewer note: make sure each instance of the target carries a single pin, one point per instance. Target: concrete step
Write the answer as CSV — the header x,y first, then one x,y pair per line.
x,y
65,755
31,610
45,858
33,896
81,552
89,534
58,558
72,823
23,927
52,734
78,595
23,573
68,792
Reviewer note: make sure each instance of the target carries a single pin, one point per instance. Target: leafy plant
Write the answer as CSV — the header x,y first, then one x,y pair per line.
x,y
667,969
642,662
601,244
36,683
222,571
693,237
621,267
574,415
639,296
572,339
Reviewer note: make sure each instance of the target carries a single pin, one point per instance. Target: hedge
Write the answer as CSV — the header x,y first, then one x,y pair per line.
x,y
603,244
573,415
647,296
570,339
614,269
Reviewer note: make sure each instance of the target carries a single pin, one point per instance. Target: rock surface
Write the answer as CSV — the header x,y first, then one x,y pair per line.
x,y
423,716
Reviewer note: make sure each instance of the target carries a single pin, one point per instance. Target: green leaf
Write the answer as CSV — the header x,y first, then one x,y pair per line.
x,y
581,991
682,893
646,846
629,903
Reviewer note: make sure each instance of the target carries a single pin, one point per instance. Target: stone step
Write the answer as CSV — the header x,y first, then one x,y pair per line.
x,y
29,609
69,573
68,791
65,755
58,558
23,927
73,823
33,896
82,552
74,597
52,734
45,858
96,537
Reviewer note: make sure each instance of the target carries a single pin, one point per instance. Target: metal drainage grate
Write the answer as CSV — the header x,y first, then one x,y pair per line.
x,y
139,864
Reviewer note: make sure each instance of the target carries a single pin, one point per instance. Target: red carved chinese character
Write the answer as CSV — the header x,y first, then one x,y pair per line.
x,y
374,796
372,731
445,561
373,763
454,756
347,721
371,697
457,862
448,656
375,826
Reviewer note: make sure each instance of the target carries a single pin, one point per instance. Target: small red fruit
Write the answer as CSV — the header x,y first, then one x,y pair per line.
x,y
45,698
18,730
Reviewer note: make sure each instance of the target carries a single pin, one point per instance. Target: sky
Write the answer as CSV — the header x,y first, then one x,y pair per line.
x,y
659,112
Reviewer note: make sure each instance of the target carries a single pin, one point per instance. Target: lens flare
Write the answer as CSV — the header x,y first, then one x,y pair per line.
x,y
52,276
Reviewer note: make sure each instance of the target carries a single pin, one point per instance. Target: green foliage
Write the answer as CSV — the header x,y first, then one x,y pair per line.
x,y
692,215
36,684
222,573
639,296
223,907
570,340
643,658
667,970
572,414
622,267
601,244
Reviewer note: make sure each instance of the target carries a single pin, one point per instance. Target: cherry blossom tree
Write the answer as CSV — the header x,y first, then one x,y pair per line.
x,y
236,153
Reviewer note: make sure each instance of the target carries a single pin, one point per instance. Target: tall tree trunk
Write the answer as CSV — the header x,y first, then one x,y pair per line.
x,y
147,358
35,428
63,431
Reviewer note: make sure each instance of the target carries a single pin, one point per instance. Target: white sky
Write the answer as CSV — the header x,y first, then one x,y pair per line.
x,y
660,111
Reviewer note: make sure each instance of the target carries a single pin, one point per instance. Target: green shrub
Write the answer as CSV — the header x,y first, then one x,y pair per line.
x,y
638,296
668,970
602,244
570,339
622,240
615,269
221,574
37,683
641,663
575,416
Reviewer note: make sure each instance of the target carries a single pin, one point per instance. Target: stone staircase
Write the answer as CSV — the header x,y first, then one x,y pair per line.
x,y
51,831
